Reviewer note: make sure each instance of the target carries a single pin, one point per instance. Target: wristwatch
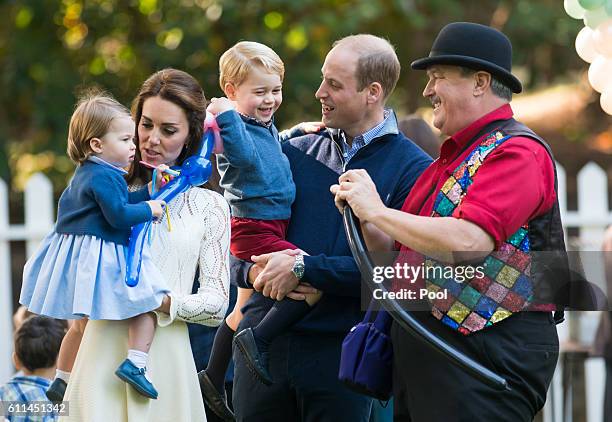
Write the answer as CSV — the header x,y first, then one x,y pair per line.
x,y
298,267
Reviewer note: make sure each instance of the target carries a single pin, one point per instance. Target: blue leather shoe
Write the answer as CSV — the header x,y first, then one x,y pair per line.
x,y
134,376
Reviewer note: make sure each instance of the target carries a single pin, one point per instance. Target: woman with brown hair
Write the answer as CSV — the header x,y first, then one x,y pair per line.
x,y
169,112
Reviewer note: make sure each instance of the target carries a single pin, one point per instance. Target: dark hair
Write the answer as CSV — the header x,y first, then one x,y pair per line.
x,y
421,134
38,340
183,90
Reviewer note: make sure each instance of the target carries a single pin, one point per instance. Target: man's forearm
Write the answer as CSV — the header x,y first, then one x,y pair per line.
x,y
335,275
376,240
443,238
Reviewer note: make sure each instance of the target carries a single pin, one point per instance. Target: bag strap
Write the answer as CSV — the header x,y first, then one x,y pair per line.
x,y
381,319
369,312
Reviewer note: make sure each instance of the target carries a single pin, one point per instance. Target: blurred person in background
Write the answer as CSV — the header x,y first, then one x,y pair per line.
x,y
417,129
37,343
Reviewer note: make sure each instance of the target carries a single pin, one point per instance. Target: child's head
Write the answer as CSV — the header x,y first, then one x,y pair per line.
x,y
37,343
251,74
103,127
21,314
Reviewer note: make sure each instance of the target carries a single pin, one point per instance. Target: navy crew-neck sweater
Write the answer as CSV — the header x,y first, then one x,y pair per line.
x,y
97,203
394,163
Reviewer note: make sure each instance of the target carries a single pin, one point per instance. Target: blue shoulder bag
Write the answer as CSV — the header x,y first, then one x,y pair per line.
x,y
366,360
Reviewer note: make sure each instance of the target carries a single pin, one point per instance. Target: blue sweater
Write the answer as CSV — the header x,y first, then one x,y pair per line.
x,y
394,163
254,171
97,203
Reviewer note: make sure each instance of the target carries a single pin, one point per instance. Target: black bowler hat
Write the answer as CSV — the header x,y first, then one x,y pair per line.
x,y
475,46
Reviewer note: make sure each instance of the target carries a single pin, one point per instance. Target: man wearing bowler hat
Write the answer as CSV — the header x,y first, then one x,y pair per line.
x,y
491,193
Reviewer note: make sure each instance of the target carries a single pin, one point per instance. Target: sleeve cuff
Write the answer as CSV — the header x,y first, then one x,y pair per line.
x,y
164,319
142,213
227,117
309,270
240,272
483,218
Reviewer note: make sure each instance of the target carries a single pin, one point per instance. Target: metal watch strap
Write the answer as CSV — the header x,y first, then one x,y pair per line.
x,y
298,267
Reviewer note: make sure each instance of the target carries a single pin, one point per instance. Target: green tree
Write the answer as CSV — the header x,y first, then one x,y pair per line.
x,y
49,50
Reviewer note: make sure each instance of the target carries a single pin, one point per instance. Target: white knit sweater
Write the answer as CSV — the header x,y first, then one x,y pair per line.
x,y
198,236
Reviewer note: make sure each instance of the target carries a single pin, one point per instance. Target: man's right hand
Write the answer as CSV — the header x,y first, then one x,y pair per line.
x,y
258,268
157,207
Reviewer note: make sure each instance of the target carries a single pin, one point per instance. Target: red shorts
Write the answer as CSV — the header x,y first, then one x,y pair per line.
x,y
258,237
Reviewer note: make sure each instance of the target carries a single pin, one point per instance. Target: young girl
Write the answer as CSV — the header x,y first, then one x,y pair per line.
x,y
259,188
78,272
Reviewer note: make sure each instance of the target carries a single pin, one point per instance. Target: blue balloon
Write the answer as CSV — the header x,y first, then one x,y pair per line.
x,y
195,172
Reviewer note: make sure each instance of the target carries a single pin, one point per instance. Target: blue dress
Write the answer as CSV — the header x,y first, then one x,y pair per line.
x,y
76,274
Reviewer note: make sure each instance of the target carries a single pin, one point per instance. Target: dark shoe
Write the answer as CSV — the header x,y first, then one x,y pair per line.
x,y
213,399
56,390
134,376
257,362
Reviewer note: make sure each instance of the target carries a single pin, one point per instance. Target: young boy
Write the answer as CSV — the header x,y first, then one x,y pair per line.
x,y
259,188
37,344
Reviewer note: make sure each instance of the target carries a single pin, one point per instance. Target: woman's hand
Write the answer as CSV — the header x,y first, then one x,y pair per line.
x,y
219,105
358,190
161,178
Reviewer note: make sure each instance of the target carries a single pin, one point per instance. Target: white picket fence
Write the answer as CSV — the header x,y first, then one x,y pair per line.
x,y
592,217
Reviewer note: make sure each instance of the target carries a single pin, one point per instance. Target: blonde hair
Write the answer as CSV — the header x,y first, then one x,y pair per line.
x,y
92,117
236,63
377,61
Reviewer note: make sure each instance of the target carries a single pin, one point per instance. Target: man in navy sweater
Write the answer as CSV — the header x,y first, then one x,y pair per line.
x,y
359,74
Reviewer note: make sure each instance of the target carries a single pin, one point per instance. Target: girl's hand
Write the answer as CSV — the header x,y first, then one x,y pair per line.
x,y
219,105
157,207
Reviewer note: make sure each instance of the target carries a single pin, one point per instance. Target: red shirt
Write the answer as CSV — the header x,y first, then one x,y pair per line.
x,y
514,184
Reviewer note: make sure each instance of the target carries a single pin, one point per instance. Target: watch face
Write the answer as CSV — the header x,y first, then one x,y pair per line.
x,y
298,267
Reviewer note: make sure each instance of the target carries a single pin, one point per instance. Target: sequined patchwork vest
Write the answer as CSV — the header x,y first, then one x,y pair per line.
x,y
503,285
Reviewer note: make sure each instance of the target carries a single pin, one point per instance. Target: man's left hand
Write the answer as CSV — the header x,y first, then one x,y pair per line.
x,y
277,278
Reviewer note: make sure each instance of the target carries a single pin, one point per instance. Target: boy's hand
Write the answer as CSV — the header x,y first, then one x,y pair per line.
x,y
301,129
309,127
219,105
157,207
